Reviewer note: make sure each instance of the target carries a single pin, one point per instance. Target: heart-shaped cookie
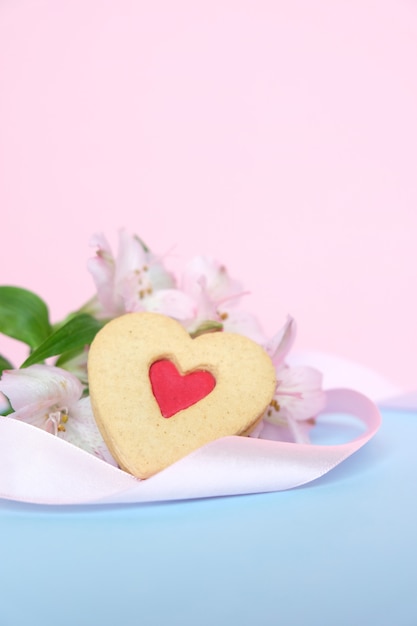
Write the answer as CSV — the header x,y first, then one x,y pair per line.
x,y
157,394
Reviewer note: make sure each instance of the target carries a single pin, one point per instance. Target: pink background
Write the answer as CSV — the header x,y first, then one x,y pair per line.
x,y
279,137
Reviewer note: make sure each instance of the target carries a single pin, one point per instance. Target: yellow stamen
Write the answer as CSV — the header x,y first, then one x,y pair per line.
x,y
274,404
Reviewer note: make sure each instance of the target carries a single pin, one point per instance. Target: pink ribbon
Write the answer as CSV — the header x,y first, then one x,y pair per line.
x,y
39,468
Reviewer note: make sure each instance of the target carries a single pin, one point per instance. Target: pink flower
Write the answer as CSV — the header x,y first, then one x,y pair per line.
x,y
135,280
299,396
216,296
298,399
281,343
204,276
50,398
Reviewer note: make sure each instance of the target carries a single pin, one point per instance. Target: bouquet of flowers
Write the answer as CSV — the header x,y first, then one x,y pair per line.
x,y
50,388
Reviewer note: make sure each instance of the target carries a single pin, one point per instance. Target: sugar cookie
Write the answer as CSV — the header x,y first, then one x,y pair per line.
x,y
157,394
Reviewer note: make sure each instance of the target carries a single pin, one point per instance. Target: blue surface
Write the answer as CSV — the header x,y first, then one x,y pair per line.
x,y
341,551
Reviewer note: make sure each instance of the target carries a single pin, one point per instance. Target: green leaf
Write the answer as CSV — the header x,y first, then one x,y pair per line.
x,y
23,316
5,364
68,356
77,333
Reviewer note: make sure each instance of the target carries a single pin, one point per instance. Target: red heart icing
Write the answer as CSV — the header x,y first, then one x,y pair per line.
x,y
174,391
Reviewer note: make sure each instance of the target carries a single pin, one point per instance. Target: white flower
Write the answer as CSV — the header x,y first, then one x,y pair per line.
x,y
204,275
81,430
299,396
281,343
50,398
136,280
133,281
215,296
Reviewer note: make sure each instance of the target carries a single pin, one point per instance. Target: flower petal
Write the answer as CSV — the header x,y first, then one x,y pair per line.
x,y
279,346
81,430
171,302
33,390
299,392
102,268
205,273
130,256
243,323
